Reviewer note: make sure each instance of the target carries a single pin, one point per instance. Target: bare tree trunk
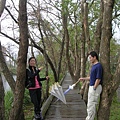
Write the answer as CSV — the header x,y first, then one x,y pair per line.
x,y
60,58
107,94
67,39
98,31
85,39
82,42
2,6
17,108
2,94
86,26
77,53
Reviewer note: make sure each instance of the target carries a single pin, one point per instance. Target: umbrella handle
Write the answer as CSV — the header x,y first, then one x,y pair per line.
x,y
77,82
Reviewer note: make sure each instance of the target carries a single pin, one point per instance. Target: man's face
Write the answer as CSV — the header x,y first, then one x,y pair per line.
x,y
32,62
92,59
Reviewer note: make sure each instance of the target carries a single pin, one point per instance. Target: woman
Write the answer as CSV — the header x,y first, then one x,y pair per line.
x,y
34,85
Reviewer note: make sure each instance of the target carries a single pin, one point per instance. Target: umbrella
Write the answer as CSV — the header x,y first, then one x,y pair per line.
x,y
57,91
61,93
52,91
71,87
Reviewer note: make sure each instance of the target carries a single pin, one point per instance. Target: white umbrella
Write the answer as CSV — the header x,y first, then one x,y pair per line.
x,y
71,87
52,91
57,91
61,93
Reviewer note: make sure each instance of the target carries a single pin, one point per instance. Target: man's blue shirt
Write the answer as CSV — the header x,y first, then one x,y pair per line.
x,y
96,73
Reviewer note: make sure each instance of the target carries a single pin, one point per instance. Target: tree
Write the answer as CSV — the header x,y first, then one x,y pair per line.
x,y
16,111
110,82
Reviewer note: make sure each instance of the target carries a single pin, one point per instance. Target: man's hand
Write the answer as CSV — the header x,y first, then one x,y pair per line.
x,y
84,78
81,79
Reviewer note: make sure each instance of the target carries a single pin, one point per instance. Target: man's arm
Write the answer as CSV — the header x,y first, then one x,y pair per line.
x,y
96,83
84,78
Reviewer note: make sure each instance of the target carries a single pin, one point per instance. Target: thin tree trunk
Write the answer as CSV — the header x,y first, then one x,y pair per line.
x,y
85,38
2,94
2,6
86,26
77,53
82,42
98,30
67,39
61,56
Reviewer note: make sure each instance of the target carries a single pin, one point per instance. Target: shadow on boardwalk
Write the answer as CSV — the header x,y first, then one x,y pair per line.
x,y
75,109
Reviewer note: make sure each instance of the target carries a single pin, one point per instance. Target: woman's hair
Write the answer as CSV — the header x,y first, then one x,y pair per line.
x,y
31,58
94,54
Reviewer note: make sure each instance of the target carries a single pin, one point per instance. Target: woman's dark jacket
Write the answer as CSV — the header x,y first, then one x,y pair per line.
x,y
30,77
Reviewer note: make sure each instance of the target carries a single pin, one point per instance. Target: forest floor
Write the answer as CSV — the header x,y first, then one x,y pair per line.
x,y
28,112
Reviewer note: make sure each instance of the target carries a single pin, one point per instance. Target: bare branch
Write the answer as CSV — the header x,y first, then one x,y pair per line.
x,y
11,15
14,40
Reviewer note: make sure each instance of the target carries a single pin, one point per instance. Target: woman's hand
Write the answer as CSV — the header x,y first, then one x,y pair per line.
x,y
40,68
47,77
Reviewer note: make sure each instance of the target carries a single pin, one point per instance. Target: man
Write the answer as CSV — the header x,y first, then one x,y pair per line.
x,y
95,87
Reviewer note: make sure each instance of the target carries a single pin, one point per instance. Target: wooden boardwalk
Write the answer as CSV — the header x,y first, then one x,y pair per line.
x,y
75,109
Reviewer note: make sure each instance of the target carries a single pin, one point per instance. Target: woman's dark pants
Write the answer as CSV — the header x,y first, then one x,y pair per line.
x,y
35,95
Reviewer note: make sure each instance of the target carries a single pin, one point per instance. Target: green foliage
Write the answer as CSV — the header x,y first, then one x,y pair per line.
x,y
115,109
8,103
27,99
9,100
28,111
114,54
